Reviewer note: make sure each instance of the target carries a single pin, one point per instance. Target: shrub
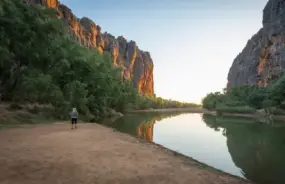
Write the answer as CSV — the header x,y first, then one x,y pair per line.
x,y
14,106
278,111
238,109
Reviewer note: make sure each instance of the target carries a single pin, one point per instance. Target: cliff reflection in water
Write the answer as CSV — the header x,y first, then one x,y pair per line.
x,y
257,149
141,125
145,131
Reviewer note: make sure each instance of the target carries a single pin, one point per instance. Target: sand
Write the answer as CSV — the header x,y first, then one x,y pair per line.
x,y
55,154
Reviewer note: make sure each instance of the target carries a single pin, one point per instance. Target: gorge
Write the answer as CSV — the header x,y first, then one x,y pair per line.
x,y
137,65
263,58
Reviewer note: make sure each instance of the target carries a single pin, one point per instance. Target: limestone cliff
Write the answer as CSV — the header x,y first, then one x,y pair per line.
x,y
137,65
263,58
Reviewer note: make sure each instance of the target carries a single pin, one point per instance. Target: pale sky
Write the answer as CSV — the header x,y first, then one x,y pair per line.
x,y
192,42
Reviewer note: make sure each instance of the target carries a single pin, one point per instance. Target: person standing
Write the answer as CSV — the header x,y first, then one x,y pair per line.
x,y
74,118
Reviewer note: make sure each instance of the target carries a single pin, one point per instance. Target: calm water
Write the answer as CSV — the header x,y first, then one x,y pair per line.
x,y
241,147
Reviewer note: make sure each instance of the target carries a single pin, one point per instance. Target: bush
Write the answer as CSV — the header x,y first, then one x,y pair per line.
x,y
238,109
145,102
248,98
278,111
14,106
34,110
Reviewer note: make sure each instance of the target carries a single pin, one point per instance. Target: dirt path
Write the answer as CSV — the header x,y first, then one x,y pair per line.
x,y
54,154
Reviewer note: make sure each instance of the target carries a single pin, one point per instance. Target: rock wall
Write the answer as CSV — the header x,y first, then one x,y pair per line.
x,y
137,65
263,58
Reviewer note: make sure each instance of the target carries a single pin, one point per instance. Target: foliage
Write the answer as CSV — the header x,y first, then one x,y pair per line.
x,y
278,111
248,98
212,100
41,64
237,109
145,102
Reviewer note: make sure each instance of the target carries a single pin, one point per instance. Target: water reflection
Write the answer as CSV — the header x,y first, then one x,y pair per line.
x,y
145,131
240,146
257,149
141,125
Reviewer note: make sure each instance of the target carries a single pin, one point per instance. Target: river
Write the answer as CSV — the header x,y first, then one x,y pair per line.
x,y
239,146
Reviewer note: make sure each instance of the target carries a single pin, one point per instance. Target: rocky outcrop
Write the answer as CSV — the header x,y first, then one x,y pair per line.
x,y
263,58
137,65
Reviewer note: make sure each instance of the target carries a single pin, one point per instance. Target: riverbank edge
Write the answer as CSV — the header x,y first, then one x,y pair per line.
x,y
187,160
190,161
205,111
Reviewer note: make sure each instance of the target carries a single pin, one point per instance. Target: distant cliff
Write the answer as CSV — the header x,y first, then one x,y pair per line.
x,y
263,58
137,65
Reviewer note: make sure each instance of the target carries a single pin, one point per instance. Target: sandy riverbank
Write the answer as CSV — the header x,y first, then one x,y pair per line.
x,y
94,154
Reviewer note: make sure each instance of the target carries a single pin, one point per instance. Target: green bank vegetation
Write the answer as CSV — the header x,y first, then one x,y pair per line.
x,y
269,100
41,64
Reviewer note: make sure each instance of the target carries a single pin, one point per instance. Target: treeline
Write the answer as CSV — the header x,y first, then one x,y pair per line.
x,y
249,99
146,102
40,63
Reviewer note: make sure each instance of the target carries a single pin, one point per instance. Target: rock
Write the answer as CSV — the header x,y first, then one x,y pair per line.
x,y
49,3
137,65
114,113
260,111
113,116
263,58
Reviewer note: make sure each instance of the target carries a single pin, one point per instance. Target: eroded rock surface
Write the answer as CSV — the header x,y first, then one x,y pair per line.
x,y
137,65
263,58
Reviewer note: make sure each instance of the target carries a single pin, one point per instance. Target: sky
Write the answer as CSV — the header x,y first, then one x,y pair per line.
x,y
192,42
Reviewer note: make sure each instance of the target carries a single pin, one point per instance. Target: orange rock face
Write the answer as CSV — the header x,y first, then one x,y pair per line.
x,y
137,65
263,58
49,3
52,3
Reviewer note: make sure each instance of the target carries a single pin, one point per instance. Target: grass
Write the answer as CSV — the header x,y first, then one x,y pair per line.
x,y
22,118
14,116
